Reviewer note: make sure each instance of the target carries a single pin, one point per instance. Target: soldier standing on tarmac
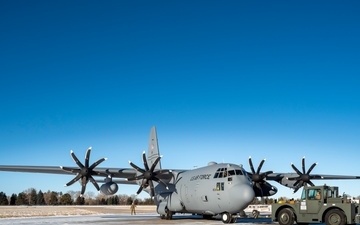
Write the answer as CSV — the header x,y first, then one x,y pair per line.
x,y
132,208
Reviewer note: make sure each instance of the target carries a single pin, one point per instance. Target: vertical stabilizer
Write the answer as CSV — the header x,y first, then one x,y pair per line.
x,y
153,151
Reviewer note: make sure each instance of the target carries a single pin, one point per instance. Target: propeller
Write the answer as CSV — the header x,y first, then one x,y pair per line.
x,y
304,178
258,178
84,173
148,175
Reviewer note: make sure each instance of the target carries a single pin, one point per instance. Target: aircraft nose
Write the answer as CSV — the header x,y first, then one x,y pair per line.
x,y
243,194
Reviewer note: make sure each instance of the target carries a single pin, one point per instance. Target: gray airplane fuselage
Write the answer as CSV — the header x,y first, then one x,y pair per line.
x,y
209,190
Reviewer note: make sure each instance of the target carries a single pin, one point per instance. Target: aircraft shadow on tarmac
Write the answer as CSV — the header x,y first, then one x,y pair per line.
x,y
187,218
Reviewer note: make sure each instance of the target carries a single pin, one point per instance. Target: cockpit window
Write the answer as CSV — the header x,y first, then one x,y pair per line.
x,y
223,172
231,172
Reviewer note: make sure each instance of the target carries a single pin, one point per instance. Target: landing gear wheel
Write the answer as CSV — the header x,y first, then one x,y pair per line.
x,y
168,215
335,217
286,217
227,218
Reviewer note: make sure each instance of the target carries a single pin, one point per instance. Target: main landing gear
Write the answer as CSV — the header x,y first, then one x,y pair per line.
x,y
228,218
167,216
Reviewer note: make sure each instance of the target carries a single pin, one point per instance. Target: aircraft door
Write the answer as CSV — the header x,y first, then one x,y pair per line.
x,y
313,202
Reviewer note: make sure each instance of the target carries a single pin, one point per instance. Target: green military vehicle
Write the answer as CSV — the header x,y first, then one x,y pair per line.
x,y
318,204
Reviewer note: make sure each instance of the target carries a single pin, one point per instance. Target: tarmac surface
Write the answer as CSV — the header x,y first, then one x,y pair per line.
x,y
125,219
107,215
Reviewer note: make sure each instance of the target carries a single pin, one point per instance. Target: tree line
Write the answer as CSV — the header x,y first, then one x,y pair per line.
x,y
33,197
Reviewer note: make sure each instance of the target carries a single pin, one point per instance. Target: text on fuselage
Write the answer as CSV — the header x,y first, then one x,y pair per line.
x,y
200,177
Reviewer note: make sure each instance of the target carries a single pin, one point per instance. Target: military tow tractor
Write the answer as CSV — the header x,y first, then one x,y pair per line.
x,y
318,204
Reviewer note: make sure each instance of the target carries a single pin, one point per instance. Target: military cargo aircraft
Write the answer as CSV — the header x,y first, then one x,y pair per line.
x,y
217,189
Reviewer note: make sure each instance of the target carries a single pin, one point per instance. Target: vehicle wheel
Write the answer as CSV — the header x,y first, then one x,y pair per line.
x,y
226,217
255,213
335,217
286,217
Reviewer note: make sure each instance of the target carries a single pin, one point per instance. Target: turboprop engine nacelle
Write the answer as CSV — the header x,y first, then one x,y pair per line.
x,y
109,188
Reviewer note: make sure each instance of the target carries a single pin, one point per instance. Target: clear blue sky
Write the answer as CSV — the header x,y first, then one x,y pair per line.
x,y
220,80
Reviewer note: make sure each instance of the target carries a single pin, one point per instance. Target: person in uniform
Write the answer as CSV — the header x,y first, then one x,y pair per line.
x,y
132,208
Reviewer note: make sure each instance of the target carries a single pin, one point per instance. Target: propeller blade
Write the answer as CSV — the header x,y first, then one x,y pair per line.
x,y
83,188
296,170
260,166
73,180
72,170
251,165
87,157
76,159
303,164
297,182
145,161
155,163
135,178
296,189
161,182
94,183
136,167
311,168
152,190
268,172
95,164
139,190
311,183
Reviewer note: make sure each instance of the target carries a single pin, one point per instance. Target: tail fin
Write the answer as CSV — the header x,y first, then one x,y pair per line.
x,y
153,151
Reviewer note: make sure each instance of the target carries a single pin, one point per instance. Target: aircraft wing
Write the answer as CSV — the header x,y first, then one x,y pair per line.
x,y
296,181
122,181
279,176
292,180
115,172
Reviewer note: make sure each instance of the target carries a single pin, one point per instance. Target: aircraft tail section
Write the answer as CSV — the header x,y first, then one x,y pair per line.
x,y
153,150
